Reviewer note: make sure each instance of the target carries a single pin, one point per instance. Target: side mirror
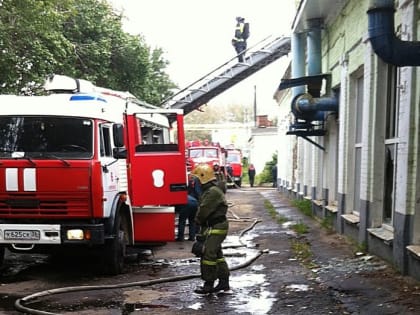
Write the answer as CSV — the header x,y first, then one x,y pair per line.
x,y
119,153
118,134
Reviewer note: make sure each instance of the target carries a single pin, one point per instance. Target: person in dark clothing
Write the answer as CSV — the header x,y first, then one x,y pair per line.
x,y
238,41
220,177
194,186
189,210
214,226
274,175
251,174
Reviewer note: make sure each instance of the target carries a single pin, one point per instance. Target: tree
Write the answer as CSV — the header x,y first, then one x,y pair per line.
x,y
32,43
266,175
78,38
214,114
219,114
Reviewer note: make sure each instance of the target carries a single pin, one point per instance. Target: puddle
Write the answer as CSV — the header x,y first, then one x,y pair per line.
x,y
251,294
298,287
195,306
356,265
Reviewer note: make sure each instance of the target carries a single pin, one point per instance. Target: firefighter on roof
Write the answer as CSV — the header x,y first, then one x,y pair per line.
x,y
211,217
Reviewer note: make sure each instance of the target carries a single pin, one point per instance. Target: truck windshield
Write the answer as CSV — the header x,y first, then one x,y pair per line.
x,y
233,158
208,153
45,137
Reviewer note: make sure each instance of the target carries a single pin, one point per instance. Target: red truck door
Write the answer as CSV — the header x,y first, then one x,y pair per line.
x,y
156,157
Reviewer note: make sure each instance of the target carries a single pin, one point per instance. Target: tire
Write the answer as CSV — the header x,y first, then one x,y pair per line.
x,y
115,249
2,255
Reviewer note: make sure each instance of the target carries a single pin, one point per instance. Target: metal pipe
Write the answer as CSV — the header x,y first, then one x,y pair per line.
x,y
308,108
317,104
314,47
298,61
382,36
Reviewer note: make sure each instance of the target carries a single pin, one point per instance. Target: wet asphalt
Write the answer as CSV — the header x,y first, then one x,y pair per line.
x,y
285,263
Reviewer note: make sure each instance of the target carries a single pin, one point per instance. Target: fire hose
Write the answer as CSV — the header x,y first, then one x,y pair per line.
x,y
20,307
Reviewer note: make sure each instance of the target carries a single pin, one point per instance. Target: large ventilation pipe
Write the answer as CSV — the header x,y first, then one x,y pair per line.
x,y
298,61
308,106
382,36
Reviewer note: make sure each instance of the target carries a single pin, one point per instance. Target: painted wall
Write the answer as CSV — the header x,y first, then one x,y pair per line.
x,y
350,172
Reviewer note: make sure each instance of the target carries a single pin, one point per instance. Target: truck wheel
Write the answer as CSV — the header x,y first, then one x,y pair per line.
x,y
115,250
2,255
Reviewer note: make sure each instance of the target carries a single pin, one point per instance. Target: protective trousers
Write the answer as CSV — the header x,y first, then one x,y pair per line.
x,y
213,264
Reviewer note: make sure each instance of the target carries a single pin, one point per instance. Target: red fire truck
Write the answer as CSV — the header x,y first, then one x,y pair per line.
x,y
234,166
88,168
205,152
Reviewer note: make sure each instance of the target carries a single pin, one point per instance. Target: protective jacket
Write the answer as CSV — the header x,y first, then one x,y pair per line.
x,y
211,216
213,205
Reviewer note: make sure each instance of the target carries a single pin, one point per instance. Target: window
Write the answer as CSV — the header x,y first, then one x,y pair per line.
x,y
210,153
391,143
105,144
40,137
233,158
155,134
358,106
195,153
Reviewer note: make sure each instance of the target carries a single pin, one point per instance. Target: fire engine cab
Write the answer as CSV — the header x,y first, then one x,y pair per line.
x,y
205,152
88,167
234,165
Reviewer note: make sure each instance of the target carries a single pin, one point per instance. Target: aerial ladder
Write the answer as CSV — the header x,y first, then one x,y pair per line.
x,y
228,74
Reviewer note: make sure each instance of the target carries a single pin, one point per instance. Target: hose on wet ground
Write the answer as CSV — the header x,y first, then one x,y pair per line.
x,y
24,309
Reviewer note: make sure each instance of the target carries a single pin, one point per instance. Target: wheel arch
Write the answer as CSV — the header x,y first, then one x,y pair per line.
x,y
120,208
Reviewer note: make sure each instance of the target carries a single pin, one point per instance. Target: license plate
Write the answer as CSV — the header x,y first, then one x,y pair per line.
x,y
30,235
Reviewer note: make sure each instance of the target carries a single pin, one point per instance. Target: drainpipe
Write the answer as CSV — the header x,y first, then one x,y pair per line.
x,y
382,36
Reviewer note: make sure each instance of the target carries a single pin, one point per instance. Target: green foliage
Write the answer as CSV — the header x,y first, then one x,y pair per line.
x,y
304,206
218,114
280,219
300,228
303,253
327,223
78,38
266,175
245,166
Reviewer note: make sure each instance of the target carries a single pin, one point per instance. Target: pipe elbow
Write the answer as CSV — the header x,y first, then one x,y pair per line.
x,y
306,107
384,42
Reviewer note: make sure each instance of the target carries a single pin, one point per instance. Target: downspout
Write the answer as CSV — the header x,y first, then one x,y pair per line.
x,y
382,36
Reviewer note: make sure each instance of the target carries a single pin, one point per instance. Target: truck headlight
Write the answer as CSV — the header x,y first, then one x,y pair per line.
x,y
76,234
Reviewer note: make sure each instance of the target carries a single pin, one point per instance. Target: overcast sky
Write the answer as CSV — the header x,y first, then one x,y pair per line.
x,y
195,36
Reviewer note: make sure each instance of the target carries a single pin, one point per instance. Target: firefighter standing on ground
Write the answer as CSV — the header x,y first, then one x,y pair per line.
x,y
239,40
211,217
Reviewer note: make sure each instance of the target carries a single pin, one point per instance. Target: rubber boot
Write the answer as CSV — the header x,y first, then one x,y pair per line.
x,y
223,285
206,289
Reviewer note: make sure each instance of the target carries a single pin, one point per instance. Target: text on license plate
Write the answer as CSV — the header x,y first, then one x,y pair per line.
x,y
21,235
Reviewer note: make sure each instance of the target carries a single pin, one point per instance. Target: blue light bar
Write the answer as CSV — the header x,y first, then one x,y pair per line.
x,y
86,97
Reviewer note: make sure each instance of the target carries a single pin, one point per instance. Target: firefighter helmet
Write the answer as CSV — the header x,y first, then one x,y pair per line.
x,y
204,172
